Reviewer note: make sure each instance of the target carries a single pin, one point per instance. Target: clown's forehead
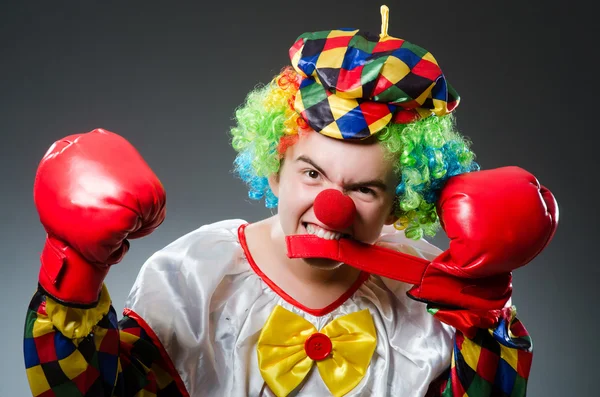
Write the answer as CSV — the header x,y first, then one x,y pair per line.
x,y
347,160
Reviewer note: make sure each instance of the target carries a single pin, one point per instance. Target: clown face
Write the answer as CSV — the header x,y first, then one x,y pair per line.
x,y
356,168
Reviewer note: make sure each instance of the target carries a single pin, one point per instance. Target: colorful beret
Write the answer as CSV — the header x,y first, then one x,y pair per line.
x,y
354,83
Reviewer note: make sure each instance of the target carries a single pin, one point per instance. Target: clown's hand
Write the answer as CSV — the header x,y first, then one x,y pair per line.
x,y
92,191
497,221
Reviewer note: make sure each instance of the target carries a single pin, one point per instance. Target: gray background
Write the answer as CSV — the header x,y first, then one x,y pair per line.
x,y
168,77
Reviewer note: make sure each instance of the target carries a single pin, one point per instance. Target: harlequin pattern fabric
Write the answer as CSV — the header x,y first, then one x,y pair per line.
x,y
494,362
115,359
355,83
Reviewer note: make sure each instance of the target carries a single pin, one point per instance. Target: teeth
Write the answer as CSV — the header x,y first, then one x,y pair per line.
x,y
322,233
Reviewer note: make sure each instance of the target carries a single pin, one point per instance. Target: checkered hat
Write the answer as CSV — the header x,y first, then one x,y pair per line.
x,y
354,83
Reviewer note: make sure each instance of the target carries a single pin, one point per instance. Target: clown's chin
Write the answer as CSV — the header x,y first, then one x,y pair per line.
x,y
323,263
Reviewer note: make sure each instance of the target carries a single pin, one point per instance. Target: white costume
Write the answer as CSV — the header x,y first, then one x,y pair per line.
x,y
207,304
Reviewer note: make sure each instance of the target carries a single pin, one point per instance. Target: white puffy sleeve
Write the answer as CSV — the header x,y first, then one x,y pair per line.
x,y
176,290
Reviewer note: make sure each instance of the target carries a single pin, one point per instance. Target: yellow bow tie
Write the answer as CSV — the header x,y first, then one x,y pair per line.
x,y
288,345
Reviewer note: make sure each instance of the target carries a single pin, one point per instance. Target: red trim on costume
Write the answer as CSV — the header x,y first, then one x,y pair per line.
x,y
363,276
163,353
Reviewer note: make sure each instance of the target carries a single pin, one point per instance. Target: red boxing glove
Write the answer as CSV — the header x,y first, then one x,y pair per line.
x,y
497,221
92,192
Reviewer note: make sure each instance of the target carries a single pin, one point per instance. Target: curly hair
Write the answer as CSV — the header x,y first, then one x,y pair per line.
x,y
425,152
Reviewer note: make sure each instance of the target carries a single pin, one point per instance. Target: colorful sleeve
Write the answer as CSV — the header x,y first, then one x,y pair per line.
x,y
486,361
87,352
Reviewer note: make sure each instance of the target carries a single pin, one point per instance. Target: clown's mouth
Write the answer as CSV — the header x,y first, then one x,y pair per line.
x,y
323,233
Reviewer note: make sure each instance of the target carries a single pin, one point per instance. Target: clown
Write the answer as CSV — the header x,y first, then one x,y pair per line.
x,y
321,299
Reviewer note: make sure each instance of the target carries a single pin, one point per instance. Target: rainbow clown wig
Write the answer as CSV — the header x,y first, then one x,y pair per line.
x,y
348,84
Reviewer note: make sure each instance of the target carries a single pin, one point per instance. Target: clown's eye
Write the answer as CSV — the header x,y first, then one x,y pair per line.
x,y
312,174
366,190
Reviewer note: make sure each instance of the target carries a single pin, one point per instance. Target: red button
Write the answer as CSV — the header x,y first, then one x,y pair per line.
x,y
317,346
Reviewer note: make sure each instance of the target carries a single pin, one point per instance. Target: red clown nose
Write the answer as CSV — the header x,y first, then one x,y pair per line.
x,y
334,209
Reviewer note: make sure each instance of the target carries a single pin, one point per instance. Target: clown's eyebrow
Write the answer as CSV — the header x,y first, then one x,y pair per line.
x,y
374,183
309,161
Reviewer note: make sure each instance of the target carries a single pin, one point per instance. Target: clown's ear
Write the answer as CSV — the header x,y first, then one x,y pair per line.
x,y
391,218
